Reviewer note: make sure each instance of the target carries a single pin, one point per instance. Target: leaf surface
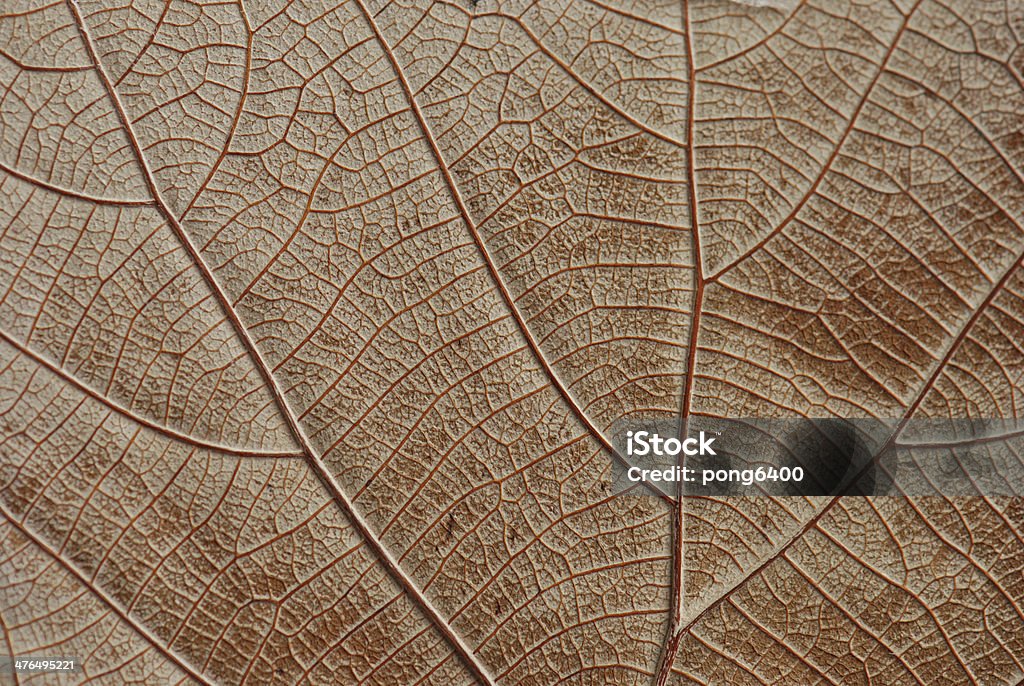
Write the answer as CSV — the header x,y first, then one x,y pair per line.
x,y
317,317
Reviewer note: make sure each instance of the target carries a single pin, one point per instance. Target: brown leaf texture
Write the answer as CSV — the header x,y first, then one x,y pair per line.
x,y
316,316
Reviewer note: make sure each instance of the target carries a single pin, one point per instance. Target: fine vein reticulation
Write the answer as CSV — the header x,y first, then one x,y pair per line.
x,y
316,319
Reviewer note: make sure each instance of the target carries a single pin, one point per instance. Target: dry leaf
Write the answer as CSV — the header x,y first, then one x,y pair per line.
x,y
316,317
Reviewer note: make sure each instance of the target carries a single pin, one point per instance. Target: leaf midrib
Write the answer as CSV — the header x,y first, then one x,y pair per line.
x,y
324,473
316,463
675,638
485,254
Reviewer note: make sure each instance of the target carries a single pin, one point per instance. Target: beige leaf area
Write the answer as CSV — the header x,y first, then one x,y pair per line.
x,y
317,316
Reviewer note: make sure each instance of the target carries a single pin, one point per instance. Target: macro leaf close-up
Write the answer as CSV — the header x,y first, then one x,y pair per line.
x,y
322,324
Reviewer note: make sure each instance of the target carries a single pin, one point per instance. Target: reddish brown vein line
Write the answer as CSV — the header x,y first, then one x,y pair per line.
x,y
581,82
491,266
672,633
672,645
813,522
827,165
78,195
927,386
153,640
316,464
10,648
166,431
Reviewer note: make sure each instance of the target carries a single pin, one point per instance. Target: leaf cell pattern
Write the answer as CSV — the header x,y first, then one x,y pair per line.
x,y
316,317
